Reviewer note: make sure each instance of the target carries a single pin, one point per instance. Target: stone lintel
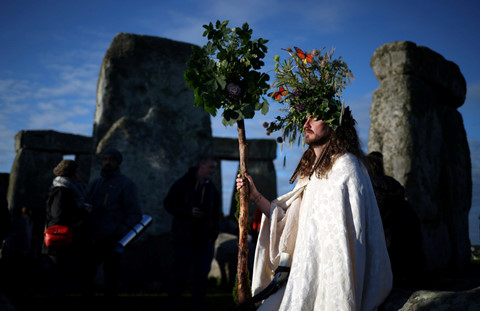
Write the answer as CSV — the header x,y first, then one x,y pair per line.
x,y
52,141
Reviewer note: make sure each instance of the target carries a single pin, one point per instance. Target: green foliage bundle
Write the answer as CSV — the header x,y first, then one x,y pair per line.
x,y
308,84
224,73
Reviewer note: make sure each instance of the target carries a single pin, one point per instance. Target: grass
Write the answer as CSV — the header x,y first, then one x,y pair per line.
x,y
217,299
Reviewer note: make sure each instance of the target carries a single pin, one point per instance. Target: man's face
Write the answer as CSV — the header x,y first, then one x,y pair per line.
x,y
109,163
207,169
317,132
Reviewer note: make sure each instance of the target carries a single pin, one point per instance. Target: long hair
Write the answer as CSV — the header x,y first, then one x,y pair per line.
x,y
66,168
343,140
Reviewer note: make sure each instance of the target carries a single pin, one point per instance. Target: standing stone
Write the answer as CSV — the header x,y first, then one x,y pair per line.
x,y
416,125
145,110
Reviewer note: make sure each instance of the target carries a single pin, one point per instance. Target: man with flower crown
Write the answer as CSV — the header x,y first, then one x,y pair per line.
x,y
326,234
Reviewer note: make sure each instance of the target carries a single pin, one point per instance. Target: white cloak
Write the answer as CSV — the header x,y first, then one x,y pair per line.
x,y
332,229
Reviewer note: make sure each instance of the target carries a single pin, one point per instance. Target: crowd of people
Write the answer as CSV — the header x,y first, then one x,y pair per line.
x,y
97,214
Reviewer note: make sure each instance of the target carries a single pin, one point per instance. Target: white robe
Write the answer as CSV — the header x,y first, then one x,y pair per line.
x,y
332,229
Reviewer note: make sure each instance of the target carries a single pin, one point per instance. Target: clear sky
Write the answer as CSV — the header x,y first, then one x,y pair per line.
x,y
51,52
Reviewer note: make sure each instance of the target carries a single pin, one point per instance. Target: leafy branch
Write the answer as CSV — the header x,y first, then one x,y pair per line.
x,y
224,73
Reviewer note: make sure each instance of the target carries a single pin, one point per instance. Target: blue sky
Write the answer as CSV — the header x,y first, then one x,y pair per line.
x,y
51,52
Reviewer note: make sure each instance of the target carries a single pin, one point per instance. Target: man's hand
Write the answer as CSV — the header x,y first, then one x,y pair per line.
x,y
240,182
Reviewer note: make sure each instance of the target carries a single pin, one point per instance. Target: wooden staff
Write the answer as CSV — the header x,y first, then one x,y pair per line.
x,y
243,284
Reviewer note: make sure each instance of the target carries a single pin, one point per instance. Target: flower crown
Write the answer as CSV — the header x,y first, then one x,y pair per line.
x,y
309,84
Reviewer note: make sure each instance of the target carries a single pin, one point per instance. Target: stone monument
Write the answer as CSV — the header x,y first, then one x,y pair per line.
x,y
415,124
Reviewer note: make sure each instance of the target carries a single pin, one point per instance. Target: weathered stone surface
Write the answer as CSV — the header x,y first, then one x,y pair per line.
x,y
406,58
30,178
424,300
138,73
424,144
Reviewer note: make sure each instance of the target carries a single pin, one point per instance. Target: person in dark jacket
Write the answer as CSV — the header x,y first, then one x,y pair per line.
x,y
194,203
115,210
401,225
66,206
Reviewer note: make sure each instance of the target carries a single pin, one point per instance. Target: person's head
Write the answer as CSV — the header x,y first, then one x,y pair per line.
x,y
335,143
317,132
26,211
111,159
66,168
207,167
375,163
312,88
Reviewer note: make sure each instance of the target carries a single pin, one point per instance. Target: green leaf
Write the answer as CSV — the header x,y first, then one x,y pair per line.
x,y
229,122
265,107
229,114
210,109
221,81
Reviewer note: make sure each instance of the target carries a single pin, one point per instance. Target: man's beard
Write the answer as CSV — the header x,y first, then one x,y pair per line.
x,y
314,142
